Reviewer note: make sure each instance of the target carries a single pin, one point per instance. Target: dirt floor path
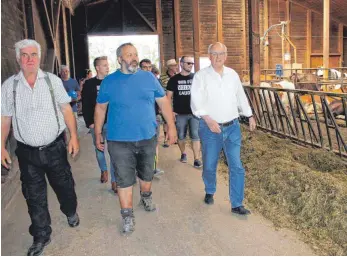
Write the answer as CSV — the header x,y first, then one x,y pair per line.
x,y
182,224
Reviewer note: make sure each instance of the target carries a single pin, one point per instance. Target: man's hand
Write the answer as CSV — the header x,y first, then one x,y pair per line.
x,y
212,124
91,126
171,135
5,158
174,115
73,146
252,124
99,141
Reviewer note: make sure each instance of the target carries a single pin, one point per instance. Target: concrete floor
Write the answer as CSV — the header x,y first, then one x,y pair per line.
x,y
182,224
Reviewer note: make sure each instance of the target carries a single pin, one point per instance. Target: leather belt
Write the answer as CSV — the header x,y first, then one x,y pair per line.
x,y
40,148
228,123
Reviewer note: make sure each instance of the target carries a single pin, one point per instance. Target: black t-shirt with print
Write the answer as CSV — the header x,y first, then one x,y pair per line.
x,y
180,86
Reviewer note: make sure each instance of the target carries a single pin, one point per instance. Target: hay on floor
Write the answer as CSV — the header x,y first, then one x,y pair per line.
x,y
298,188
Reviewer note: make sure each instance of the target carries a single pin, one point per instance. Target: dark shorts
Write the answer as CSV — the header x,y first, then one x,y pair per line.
x,y
131,157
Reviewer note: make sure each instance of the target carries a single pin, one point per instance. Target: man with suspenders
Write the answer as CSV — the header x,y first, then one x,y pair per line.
x,y
37,105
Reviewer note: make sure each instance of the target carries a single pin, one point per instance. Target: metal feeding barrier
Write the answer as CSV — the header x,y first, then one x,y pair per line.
x,y
305,116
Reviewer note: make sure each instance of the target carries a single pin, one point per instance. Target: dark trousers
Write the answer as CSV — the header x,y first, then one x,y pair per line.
x,y
34,164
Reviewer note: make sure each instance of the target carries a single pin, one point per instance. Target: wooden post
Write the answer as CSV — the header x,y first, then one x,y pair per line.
x,y
196,34
66,42
219,21
244,34
160,32
177,29
288,25
326,37
308,38
72,49
340,44
266,26
254,42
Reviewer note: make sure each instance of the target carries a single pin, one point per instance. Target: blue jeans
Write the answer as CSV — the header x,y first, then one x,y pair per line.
x,y
212,143
182,123
100,156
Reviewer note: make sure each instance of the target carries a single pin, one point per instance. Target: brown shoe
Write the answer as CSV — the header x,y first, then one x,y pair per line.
x,y
114,187
104,177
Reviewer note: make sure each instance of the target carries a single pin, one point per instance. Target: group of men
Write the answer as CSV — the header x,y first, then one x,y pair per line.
x,y
119,108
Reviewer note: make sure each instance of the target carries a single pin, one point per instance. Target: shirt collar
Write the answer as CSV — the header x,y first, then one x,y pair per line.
x,y
225,70
20,75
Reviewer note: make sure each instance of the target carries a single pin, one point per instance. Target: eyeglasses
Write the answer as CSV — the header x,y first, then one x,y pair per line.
x,y
215,54
189,63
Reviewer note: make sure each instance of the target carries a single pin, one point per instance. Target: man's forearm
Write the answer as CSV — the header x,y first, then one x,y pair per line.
x,y
69,119
99,117
5,129
166,109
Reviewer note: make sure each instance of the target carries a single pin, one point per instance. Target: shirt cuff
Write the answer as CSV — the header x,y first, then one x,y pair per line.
x,y
200,113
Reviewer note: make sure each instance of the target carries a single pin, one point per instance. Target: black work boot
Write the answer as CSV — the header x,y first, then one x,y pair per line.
x,y
209,199
37,247
73,220
146,201
128,221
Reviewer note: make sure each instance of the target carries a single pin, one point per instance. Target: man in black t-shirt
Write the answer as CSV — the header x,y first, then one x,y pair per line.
x,y
89,93
178,89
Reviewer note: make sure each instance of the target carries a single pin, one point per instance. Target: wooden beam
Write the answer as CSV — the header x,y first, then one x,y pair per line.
x,y
72,49
326,37
219,5
244,34
288,18
254,42
66,42
308,38
160,31
196,34
122,14
150,25
177,29
340,43
266,26
58,52
304,6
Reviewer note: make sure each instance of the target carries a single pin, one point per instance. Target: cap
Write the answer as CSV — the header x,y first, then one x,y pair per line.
x,y
171,62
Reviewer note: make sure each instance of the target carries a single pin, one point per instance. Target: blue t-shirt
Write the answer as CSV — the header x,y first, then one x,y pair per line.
x,y
130,98
71,85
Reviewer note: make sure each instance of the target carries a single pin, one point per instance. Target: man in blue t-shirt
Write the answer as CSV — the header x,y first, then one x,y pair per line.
x,y
129,94
70,85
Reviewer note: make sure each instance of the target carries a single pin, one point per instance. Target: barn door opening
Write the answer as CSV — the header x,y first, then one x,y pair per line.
x,y
147,47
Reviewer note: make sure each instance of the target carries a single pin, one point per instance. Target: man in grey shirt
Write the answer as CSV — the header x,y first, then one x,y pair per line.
x,y
37,105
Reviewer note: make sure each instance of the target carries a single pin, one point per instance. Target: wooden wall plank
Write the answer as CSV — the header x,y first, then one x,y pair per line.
x,y
326,35
196,33
308,38
177,29
219,21
159,28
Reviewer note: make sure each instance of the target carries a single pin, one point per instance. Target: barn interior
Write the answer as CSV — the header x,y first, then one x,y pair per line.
x,y
267,41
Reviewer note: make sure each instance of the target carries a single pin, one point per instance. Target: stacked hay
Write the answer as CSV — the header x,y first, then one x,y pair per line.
x,y
299,188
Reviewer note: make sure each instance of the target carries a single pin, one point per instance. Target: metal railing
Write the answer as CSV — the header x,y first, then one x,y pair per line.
x,y
305,116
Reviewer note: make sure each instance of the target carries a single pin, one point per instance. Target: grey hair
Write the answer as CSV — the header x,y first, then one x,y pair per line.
x,y
219,43
63,67
119,49
26,43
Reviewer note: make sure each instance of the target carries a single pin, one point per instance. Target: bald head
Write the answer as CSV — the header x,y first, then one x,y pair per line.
x,y
218,46
218,55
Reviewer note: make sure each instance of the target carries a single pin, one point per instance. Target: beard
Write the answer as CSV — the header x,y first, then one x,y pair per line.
x,y
131,67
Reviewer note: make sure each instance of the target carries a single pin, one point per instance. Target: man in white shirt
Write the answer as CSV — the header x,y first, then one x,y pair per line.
x,y
218,98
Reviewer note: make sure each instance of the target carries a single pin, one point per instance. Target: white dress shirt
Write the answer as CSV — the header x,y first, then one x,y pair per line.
x,y
35,113
221,97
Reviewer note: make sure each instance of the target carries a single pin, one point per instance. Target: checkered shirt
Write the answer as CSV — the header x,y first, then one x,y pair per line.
x,y
35,113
